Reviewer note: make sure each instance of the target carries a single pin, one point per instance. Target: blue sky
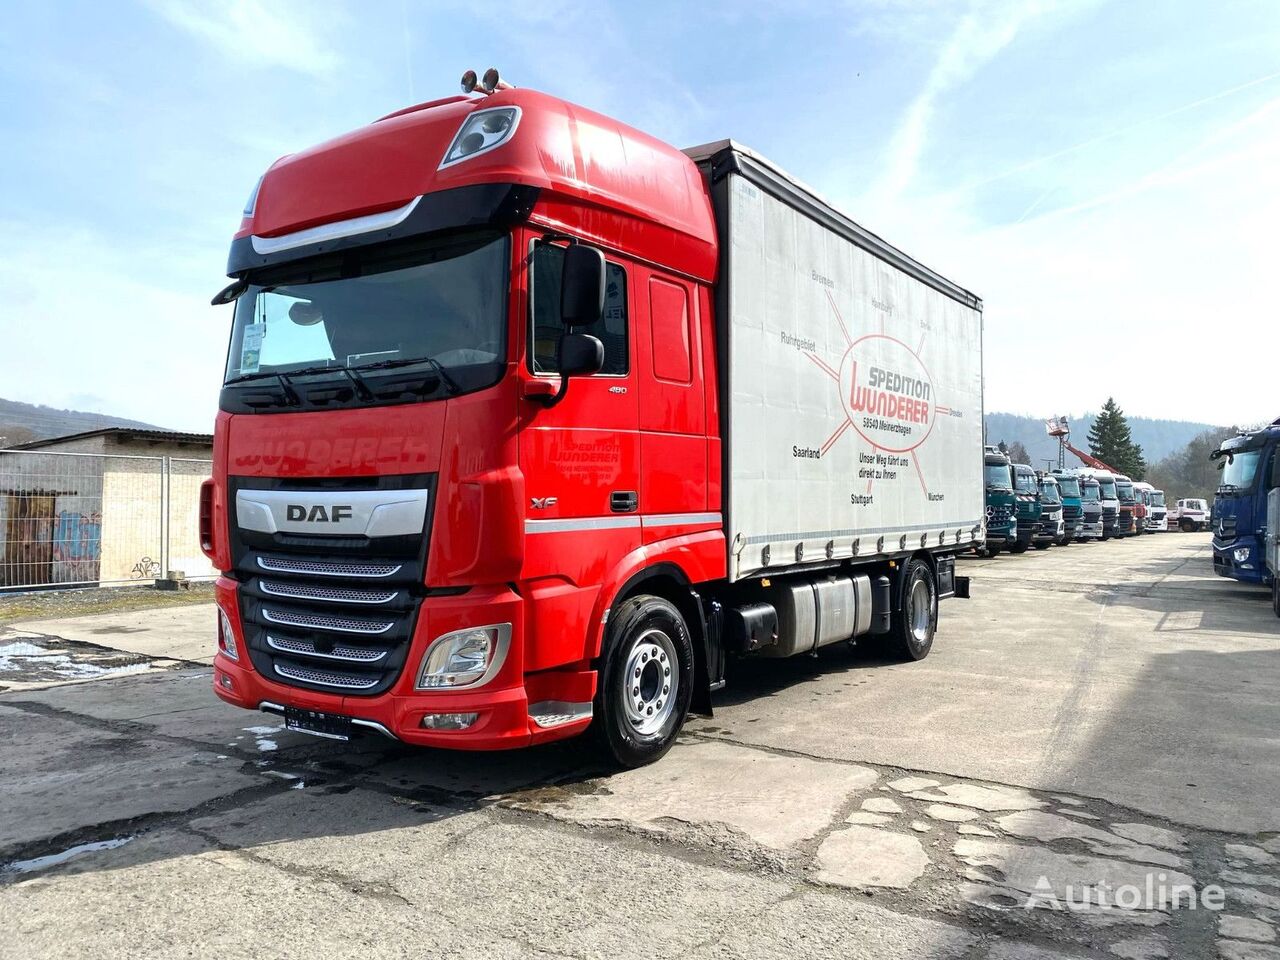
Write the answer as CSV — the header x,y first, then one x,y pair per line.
x,y
1105,175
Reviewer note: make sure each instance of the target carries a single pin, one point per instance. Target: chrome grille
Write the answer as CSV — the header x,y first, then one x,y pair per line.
x,y
339,651
326,678
315,621
327,568
326,593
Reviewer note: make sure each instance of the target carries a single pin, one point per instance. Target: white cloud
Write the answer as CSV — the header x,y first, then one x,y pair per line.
x,y
981,34
256,34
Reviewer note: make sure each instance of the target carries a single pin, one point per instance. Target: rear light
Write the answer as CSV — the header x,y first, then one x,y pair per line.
x,y
206,519
227,636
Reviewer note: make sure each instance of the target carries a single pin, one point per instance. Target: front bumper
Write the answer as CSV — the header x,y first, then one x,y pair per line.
x,y
1090,530
506,705
1251,570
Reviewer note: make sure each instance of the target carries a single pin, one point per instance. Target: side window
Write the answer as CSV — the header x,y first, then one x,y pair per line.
x,y
548,262
669,328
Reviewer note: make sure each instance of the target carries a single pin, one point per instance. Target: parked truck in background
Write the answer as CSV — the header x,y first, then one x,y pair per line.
x,y
1153,502
1026,506
1127,522
1091,503
1072,506
1250,470
1052,521
1108,497
1189,515
1002,521
1271,546
518,439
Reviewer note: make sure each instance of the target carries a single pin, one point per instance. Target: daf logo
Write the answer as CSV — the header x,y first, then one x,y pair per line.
x,y
299,513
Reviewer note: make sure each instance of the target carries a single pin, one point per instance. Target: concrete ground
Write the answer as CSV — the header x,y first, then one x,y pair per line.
x,y
1087,759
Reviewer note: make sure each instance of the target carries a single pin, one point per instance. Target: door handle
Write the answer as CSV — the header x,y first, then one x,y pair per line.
x,y
624,501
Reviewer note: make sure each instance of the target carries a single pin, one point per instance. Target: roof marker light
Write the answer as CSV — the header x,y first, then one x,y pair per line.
x,y
481,132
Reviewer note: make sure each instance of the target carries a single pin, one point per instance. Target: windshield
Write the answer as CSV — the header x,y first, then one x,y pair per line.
x,y
1239,470
1125,489
1049,491
998,477
1107,488
1069,486
1026,482
444,300
1157,498
1089,491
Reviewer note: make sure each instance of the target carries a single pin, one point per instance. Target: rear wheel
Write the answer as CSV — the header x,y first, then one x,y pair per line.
x,y
647,681
913,625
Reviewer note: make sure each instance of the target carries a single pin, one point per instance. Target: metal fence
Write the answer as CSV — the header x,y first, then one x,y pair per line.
x,y
83,519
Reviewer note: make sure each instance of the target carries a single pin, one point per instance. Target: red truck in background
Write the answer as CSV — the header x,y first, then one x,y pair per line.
x,y
531,421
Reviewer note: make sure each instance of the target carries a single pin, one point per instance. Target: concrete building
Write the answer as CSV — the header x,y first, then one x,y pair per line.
x,y
105,506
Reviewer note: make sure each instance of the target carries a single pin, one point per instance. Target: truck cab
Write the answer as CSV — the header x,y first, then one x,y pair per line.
x,y
1002,521
1190,515
1073,517
1156,520
1052,523
1250,468
1091,504
1108,497
1128,516
1027,506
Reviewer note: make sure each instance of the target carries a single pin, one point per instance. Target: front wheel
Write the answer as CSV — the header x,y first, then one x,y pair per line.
x,y
915,622
647,681
1275,595
1019,547
1044,546
1186,526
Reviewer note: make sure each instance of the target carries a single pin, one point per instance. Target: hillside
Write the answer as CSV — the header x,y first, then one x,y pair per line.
x,y
1158,438
20,422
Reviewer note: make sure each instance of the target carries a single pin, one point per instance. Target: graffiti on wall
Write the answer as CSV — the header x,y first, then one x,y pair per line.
x,y
77,547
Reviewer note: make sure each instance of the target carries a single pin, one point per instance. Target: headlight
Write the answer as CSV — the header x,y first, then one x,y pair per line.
x,y
481,132
1241,554
227,636
464,658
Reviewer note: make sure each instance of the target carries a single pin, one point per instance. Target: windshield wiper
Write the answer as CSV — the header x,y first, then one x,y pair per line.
x,y
432,362
285,383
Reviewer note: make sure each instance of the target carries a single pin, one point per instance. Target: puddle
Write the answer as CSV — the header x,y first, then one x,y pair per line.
x,y
53,859
44,659
265,737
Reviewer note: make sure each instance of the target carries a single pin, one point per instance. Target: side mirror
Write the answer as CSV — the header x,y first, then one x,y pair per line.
x,y
581,286
580,355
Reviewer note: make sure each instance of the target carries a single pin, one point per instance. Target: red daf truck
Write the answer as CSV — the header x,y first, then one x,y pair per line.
x,y
531,422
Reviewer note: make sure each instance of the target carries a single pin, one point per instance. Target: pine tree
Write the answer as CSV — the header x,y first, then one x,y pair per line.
x,y
1018,453
1112,443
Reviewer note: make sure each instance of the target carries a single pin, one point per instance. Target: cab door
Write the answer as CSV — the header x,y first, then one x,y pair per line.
x,y
580,458
673,416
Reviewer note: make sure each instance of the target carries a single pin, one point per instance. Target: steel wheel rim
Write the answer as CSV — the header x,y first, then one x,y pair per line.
x,y
920,609
650,682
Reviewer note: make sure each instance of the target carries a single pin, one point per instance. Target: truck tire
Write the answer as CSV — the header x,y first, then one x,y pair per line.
x,y
1019,547
646,684
990,552
1044,546
1186,526
914,623
1275,595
